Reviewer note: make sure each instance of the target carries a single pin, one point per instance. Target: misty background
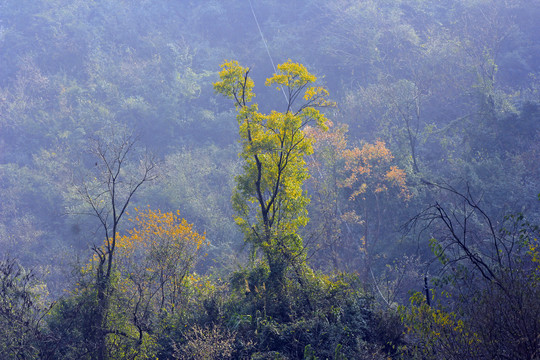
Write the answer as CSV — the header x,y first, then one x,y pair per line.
x,y
451,87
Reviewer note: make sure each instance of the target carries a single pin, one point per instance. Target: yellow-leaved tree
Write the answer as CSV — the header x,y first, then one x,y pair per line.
x,y
157,255
154,260
269,198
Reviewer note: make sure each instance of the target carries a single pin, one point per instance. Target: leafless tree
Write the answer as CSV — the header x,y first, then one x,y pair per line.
x,y
492,273
117,174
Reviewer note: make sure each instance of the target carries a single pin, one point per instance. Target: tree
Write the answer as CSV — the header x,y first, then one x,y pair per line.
x,y
108,195
22,307
152,262
154,258
269,199
489,277
328,199
371,173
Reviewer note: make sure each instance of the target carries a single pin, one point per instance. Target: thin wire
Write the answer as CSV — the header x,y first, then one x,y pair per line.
x,y
377,286
266,46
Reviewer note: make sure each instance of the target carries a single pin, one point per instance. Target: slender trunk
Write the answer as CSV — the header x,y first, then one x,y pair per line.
x,y
378,221
100,333
412,143
366,244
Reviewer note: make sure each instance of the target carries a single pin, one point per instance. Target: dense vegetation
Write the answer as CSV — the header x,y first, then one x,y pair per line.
x,y
378,199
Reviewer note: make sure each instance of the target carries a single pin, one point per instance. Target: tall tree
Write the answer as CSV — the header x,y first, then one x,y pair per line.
x,y
269,199
108,195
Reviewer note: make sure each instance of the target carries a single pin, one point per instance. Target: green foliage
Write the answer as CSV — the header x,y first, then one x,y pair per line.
x,y
438,250
326,317
22,306
71,321
309,354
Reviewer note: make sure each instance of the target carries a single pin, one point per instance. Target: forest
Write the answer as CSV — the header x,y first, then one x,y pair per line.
x,y
270,179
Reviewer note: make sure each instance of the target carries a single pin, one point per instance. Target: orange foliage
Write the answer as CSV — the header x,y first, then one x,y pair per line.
x,y
328,149
334,137
370,168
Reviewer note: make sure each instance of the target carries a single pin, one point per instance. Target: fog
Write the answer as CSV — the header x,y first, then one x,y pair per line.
x,y
436,117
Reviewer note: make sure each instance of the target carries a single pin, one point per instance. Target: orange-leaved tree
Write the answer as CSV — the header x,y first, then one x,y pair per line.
x,y
327,200
370,174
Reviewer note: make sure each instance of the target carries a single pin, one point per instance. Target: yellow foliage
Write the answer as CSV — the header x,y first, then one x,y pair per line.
x,y
235,83
154,229
158,251
534,253
292,75
435,324
269,193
